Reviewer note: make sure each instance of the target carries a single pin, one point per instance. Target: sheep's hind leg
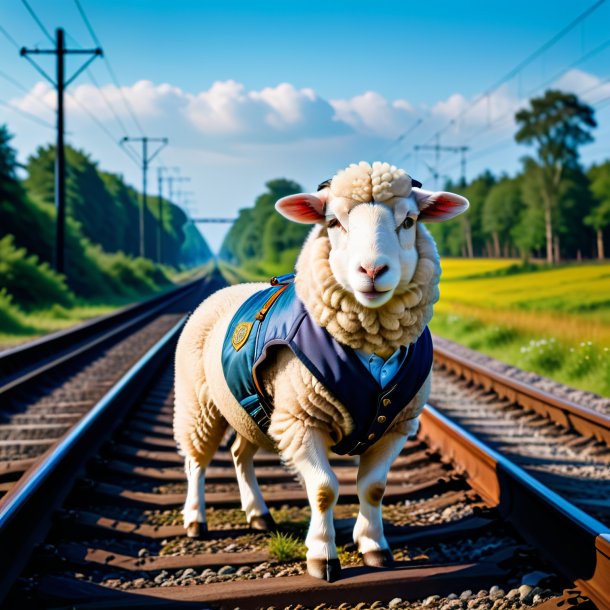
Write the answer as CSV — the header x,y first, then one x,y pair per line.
x,y
372,477
204,439
311,461
252,501
194,506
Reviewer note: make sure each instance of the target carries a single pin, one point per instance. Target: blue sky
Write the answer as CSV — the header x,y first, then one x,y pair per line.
x,y
248,91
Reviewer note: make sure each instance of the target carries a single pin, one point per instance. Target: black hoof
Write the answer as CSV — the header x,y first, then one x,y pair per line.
x,y
196,530
263,523
329,570
378,559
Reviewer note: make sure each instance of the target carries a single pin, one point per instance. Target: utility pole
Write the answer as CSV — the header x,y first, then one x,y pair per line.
x,y
161,221
171,180
60,83
437,148
146,159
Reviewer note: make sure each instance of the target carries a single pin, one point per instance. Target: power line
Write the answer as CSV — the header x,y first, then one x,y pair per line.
x,y
133,155
524,63
38,21
103,127
27,115
113,76
25,90
9,38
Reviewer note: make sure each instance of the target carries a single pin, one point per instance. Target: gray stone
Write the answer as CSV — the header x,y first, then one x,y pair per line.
x,y
529,598
466,594
243,570
161,577
512,594
524,591
482,593
267,575
452,596
429,601
143,553
225,570
188,573
495,592
396,602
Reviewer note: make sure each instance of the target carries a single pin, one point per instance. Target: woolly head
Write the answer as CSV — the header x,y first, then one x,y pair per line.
x,y
371,213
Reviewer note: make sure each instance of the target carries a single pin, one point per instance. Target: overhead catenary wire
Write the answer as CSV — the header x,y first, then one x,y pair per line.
x,y
113,76
522,64
27,115
25,90
103,127
9,37
35,17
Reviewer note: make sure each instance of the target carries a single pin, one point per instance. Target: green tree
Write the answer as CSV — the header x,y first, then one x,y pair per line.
x,y
557,123
599,217
261,238
502,210
476,192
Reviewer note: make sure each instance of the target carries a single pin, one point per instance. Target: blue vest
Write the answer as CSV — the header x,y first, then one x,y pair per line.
x,y
277,317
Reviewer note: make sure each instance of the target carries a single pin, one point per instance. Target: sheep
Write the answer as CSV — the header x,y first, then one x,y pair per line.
x,y
366,279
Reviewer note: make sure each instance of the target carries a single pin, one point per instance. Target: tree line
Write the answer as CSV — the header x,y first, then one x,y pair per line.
x,y
552,209
101,243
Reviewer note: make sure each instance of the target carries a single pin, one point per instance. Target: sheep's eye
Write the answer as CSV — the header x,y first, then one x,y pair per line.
x,y
334,222
408,222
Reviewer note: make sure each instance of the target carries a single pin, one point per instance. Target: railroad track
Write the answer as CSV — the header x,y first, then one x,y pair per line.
x,y
107,499
46,386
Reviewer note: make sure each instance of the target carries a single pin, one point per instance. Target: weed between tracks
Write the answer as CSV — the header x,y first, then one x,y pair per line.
x,y
285,547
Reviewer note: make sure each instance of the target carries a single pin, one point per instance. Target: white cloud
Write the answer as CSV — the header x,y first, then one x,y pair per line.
x,y
371,113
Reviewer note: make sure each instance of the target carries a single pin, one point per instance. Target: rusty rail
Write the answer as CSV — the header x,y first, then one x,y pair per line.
x,y
570,539
566,413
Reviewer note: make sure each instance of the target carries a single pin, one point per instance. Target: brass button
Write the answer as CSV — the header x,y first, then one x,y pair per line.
x,y
381,419
371,437
386,402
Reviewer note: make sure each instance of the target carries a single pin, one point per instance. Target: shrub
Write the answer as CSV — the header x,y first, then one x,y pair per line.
x,y
545,355
31,283
10,316
582,359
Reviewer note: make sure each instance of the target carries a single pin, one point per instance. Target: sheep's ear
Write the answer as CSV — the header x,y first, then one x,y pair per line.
x,y
439,206
305,208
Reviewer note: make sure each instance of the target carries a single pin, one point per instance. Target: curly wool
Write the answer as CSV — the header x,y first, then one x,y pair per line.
x,y
383,330
364,183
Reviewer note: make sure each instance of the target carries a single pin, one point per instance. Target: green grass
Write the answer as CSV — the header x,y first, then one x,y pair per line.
x,y
554,321
18,326
286,547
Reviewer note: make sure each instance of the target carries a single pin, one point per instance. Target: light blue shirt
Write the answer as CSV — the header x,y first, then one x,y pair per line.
x,y
383,370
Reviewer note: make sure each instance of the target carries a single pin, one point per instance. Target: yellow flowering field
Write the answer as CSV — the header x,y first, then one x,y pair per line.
x,y
554,321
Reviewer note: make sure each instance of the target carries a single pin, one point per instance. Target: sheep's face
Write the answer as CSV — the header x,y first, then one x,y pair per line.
x,y
371,215
372,247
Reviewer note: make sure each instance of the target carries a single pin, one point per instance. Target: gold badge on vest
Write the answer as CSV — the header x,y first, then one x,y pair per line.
x,y
241,334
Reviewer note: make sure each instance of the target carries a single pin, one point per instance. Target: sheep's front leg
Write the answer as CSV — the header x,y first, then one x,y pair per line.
x,y
311,461
252,501
372,476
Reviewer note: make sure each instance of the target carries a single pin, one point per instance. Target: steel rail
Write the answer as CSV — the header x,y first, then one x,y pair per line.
x,y
575,542
23,364
26,511
566,413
